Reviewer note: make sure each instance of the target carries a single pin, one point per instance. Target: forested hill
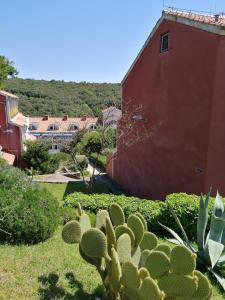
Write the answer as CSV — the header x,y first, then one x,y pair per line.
x,y
57,98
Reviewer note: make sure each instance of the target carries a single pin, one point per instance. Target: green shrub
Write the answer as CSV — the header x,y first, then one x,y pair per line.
x,y
38,158
98,160
61,156
12,177
28,212
186,207
2,162
67,214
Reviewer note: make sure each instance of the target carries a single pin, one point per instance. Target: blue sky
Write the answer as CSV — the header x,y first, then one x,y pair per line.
x,y
81,40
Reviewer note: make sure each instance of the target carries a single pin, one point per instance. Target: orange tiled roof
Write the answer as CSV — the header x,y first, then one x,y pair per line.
x,y
64,125
19,120
199,17
6,94
10,158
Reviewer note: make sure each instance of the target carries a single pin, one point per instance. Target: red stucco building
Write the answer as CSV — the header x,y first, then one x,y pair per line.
x,y
174,102
13,128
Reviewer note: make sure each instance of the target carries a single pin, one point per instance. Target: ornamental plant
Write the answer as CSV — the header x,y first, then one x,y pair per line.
x,y
131,262
210,246
28,213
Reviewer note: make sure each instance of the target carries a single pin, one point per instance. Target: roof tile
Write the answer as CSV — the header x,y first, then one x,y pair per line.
x,y
217,19
43,125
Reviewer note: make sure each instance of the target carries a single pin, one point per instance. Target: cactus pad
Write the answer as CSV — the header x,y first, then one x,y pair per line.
x,y
85,223
94,243
164,248
116,214
100,219
137,227
115,271
149,290
135,255
149,241
79,209
182,260
177,285
71,232
143,273
110,233
158,264
144,256
130,276
124,248
96,261
139,215
121,229
204,287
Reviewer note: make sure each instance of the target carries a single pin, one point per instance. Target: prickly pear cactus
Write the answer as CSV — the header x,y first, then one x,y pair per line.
x,y
132,263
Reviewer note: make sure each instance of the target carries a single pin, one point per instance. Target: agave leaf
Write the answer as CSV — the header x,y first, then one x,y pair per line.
x,y
214,251
219,278
218,207
180,226
175,241
202,221
217,227
221,261
223,237
173,233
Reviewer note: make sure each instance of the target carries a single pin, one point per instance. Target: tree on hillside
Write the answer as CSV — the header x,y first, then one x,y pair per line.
x,y
6,69
58,98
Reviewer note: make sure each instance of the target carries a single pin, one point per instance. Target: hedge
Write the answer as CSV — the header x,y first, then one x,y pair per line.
x,y
185,206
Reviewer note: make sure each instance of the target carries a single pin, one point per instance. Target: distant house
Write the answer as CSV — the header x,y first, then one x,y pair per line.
x,y
58,129
13,128
178,79
110,116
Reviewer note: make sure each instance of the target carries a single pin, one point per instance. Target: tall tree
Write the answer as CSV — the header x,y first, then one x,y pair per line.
x,y
7,69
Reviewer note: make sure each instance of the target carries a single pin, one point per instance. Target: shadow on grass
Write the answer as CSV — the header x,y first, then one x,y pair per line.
x,y
98,188
51,290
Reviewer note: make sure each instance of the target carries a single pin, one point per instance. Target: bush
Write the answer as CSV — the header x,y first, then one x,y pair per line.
x,y
28,212
185,206
12,177
98,160
2,162
60,157
38,158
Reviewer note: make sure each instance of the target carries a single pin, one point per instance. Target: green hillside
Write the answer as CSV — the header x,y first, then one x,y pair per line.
x,y
56,98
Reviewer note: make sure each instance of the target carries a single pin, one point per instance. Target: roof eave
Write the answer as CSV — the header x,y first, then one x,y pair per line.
x,y
142,49
6,94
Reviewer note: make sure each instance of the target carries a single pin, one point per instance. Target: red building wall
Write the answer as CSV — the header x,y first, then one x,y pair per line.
x,y
11,142
182,98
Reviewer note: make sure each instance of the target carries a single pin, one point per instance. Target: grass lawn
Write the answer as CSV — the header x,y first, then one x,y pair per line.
x,y
50,270
61,190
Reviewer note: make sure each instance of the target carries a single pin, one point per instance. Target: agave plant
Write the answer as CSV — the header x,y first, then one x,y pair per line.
x,y
210,247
